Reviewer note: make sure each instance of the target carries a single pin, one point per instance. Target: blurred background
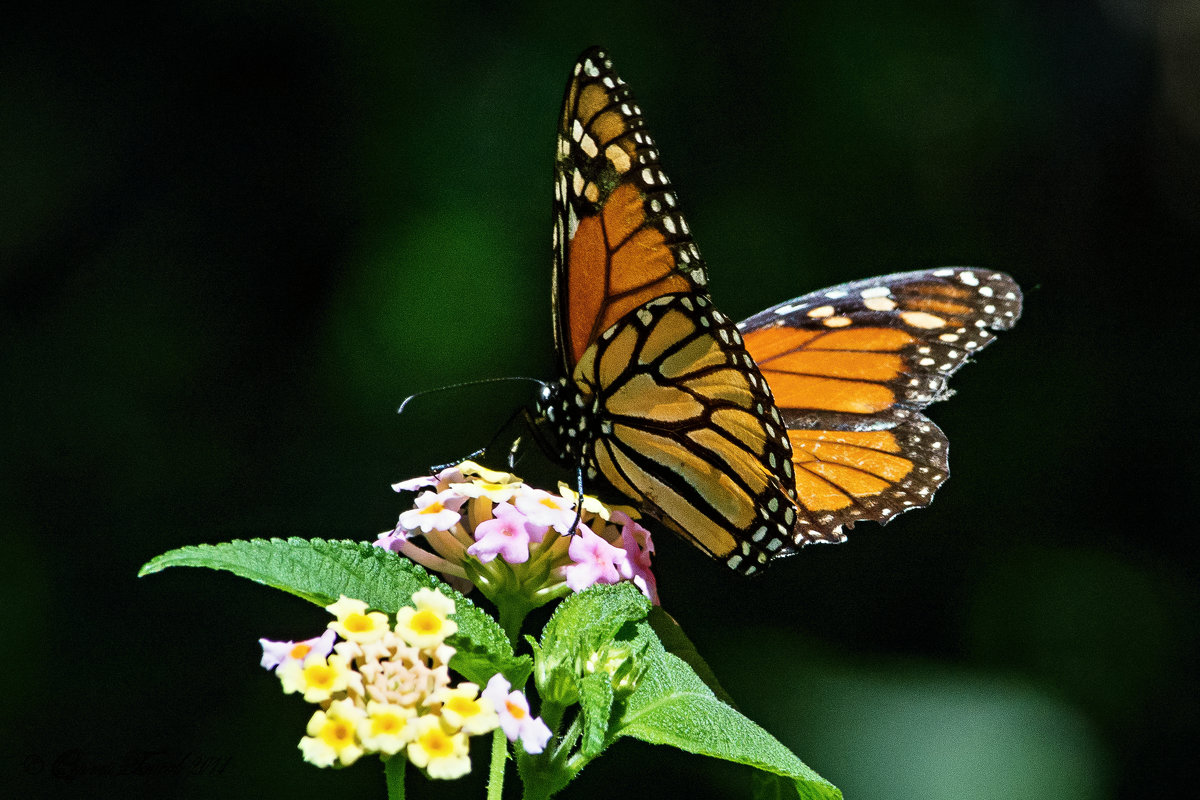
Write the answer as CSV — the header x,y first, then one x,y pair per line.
x,y
235,235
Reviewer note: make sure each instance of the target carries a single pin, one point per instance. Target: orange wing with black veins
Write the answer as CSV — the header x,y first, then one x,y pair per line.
x,y
850,369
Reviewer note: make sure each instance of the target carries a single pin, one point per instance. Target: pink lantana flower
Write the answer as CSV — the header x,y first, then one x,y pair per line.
x,y
596,561
638,546
591,504
434,512
515,719
508,534
446,476
276,654
543,508
496,514
413,484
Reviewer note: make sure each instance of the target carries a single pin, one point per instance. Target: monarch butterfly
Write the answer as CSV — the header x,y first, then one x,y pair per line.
x,y
749,440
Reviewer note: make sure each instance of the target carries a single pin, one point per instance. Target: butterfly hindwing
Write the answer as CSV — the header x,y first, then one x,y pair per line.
x,y
619,239
844,477
851,367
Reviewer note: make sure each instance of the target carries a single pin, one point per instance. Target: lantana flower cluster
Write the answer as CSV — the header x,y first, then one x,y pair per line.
x,y
490,530
387,689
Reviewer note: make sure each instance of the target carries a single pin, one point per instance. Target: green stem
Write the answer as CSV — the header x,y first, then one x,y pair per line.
x,y
511,617
393,770
558,768
574,764
569,738
499,757
552,714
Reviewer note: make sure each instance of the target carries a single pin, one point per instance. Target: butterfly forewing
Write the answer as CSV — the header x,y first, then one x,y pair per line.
x,y
851,367
619,239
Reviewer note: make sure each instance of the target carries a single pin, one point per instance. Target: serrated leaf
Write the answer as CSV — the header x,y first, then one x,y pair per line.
x,y
320,571
314,569
596,702
582,628
478,665
671,705
590,619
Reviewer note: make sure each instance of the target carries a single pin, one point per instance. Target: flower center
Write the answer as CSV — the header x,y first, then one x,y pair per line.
x,y
319,675
515,711
436,743
463,707
426,622
358,623
300,651
433,508
386,723
337,734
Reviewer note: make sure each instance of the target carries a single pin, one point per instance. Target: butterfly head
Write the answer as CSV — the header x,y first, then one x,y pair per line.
x,y
570,417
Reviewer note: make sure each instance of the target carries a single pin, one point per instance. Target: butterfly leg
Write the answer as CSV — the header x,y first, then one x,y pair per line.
x,y
514,457
578,500
513,448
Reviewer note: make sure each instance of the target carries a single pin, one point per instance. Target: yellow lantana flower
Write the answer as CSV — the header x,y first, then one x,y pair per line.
x,y
439,753
354,623
464,709
427,625
385,728
317,678
331,735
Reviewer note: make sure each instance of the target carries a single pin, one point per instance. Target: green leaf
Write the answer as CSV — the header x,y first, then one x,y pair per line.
x,y
320,571
478,665
588,621
316,570
582,629
596,702
676,642
672,705
769,786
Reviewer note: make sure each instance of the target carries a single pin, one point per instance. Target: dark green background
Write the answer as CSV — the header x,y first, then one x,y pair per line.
x,y
234,236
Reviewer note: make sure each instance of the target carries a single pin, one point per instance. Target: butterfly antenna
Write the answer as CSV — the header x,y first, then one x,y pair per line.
x,y
463,385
